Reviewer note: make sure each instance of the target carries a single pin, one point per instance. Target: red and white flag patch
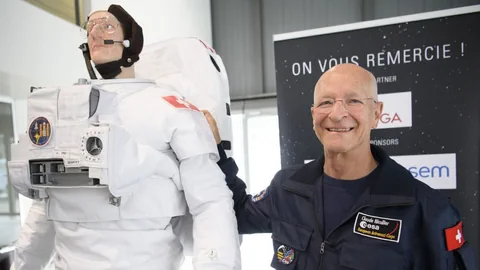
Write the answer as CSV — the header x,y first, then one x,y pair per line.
x,y
180,103
454,237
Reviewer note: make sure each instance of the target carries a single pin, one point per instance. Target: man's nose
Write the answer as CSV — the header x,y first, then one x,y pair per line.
x,y
95,32
338,111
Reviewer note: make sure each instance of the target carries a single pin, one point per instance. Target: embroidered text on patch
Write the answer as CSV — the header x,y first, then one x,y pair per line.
x,y
382,228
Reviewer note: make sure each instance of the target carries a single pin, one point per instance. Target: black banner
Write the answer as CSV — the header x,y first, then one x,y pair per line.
x,y
428,71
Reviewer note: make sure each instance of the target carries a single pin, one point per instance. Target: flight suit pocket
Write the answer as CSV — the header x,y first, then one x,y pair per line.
x,y
290,243
364,257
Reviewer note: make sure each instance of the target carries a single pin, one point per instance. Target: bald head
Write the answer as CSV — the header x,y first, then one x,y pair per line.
x,y
347,77
344,126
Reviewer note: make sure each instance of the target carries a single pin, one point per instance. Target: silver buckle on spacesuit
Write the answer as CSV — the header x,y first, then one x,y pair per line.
x,y
115,201
82,81
33,194
36,194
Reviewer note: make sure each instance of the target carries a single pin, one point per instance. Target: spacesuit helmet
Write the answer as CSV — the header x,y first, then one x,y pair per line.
x,y
115,40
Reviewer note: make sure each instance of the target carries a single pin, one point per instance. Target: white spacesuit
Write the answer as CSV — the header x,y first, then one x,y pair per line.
x,y
114,181
113,167
197,72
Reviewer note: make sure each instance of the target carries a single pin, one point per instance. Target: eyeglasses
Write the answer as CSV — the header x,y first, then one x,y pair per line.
x,y
325,105
104,24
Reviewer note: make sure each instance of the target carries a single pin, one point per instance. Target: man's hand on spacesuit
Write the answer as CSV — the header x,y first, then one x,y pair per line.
x,y
213,126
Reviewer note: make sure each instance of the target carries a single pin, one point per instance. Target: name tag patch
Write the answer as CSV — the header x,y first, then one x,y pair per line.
x,y
382,228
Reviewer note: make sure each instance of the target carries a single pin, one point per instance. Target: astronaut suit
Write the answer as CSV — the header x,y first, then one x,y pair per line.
x,y
114,165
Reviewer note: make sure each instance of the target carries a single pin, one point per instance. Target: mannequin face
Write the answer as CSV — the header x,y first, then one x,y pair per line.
x,y
102,25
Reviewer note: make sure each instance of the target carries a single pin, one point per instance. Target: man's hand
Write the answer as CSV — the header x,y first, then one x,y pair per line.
x,y
213,126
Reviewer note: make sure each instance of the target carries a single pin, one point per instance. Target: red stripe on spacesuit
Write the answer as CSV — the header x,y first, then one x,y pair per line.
x,y
206,46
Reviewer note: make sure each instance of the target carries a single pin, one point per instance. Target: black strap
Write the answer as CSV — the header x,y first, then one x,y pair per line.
x,y
109,70
86,56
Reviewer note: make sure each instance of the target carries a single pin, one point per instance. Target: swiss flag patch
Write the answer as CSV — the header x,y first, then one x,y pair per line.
x,y
454,237
180,103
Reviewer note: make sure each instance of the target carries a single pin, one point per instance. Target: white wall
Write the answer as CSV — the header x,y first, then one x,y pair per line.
x,y
38,49
163,19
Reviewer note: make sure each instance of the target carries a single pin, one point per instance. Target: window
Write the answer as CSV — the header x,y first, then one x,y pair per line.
x,y
9,207
263,152
69,10
256,150
8,197
238,143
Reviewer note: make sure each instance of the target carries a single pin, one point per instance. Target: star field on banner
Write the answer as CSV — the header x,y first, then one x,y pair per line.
x,y
427,67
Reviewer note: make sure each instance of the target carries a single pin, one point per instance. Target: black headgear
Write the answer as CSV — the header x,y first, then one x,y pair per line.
x,y
132,32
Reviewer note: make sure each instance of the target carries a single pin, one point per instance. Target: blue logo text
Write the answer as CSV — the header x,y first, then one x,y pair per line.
x,y
430,172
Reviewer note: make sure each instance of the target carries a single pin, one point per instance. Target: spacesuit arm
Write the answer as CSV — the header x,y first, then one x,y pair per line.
x,y
215,235
253,213
34,248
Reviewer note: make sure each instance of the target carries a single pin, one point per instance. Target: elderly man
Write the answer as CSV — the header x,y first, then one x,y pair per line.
x,y
115,164
354,207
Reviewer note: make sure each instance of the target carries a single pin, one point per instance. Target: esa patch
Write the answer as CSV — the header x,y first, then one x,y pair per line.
x,y
382,228
40,131
260,196
285,255
180,103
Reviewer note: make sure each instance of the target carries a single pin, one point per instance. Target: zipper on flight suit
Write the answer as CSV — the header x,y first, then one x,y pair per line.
x,y
317,221
324,240
352,214
317,224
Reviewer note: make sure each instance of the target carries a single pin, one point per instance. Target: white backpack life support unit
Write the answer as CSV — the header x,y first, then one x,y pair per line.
x,y
74,140
196,72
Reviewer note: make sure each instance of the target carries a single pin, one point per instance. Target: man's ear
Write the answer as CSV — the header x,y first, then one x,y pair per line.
x,y
312,110
378,112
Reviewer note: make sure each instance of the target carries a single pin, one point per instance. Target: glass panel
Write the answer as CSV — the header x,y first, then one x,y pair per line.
x,y
263,163
4,206
238,143
263,151
8,198
9,208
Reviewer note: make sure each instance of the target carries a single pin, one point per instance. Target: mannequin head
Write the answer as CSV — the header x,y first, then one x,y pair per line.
x,y
101,26
115,41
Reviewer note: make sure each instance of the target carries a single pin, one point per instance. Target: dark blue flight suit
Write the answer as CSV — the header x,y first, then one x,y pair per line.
x,y
398,222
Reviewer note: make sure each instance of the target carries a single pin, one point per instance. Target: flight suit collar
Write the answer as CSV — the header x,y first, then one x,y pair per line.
x,y
392,186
